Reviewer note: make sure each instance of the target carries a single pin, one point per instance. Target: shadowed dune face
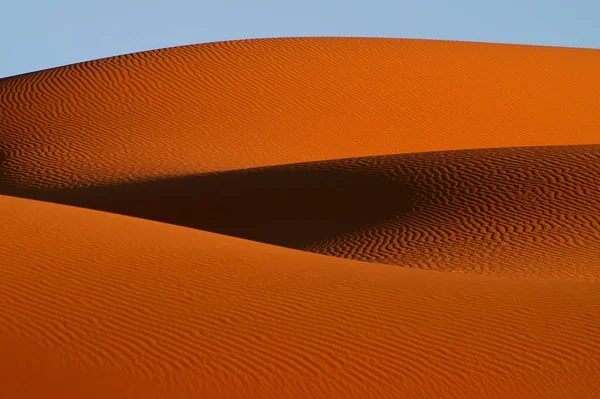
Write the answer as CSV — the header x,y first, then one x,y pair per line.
x,y
292,206
513,211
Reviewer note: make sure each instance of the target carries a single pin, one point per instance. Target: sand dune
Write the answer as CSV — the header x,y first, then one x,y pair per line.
x,y
191,314
515,212
255,103
527,212
478,161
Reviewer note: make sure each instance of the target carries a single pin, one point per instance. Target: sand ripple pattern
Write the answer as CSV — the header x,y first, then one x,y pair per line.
x,y
481,161
242,104
518,212
184,313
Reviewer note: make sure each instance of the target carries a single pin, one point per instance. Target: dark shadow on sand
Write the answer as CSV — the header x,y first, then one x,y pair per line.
x,y
289,205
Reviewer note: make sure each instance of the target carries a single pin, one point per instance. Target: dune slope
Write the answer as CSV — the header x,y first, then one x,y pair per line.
x,y
519,212
132,307
241,104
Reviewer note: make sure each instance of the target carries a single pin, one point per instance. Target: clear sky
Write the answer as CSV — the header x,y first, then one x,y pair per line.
x,y
39,34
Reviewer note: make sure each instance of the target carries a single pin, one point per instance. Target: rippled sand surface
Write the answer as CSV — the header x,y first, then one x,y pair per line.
x,y
293,218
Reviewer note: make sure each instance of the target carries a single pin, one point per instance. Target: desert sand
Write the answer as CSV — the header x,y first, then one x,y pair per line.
x,y
293,218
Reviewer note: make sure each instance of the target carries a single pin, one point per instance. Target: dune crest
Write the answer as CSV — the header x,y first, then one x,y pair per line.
x,y
242,104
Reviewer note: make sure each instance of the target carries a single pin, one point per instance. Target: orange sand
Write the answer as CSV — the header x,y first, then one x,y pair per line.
x,y
244,104
97,304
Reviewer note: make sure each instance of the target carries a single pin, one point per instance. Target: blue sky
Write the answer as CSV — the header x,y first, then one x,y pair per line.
x,y
39,34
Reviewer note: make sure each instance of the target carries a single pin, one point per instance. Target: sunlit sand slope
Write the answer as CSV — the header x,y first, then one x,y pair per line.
x,y
243,104
101,305
520,212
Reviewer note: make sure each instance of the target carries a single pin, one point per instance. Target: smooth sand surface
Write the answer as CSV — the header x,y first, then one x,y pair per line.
x,y
224,173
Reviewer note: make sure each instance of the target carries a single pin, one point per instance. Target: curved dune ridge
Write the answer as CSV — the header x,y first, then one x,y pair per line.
x,y
479,161
242,104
